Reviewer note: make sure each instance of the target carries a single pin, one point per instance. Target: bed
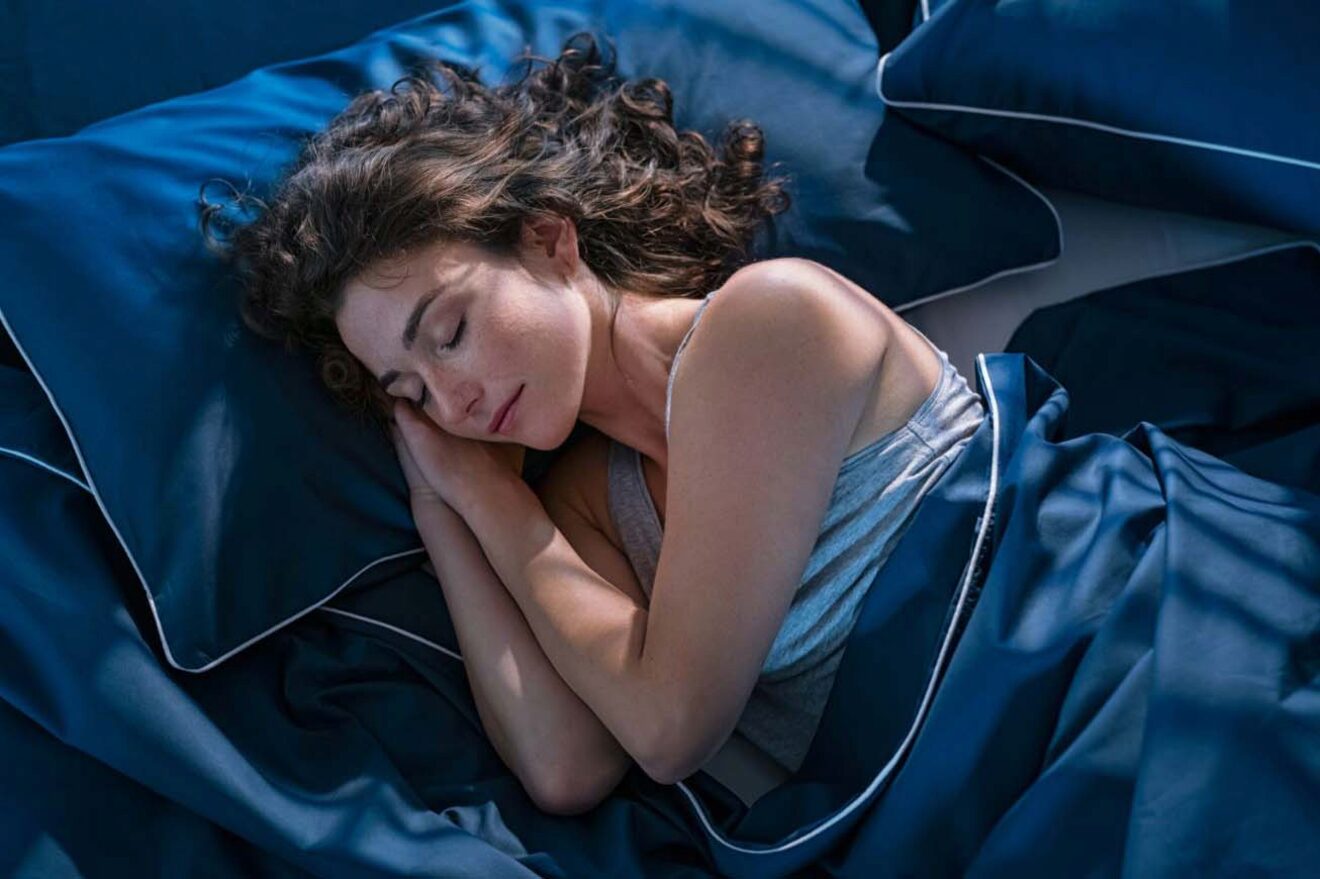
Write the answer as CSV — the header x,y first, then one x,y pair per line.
x,y
1095,651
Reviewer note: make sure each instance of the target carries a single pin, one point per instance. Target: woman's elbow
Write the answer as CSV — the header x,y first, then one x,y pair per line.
x,y
569,788
672,771
690,745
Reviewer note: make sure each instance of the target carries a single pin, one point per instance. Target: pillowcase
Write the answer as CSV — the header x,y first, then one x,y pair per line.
x,y
924,10
29,430
904,214
243,495
1204,108
128,61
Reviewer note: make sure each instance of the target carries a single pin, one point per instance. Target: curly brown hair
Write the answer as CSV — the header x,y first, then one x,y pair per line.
x,y
658,211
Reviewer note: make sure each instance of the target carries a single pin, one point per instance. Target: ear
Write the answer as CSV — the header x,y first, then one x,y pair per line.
x,y
552,239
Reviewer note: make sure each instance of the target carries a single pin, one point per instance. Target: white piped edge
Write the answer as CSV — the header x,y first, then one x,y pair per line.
x,y
96,495
24,456
1085,123
1058,223
395,629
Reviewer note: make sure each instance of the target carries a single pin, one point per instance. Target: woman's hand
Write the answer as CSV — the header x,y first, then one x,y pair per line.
x,y
439,465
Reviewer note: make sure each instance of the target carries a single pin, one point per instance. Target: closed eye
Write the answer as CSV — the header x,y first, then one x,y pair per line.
x,y
448,346
458,334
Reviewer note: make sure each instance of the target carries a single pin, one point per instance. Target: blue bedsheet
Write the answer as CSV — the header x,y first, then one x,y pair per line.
x,y
1086,657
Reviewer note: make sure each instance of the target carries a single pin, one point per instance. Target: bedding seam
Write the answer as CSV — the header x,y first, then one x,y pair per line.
x,y
1066,120
37,462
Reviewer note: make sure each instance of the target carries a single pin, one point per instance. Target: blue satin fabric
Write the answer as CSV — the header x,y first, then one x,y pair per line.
x,y
1204,356
1213,102
69,64
1122,679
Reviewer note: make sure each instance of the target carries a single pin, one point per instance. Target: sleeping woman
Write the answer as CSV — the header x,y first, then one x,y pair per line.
x,y
486,268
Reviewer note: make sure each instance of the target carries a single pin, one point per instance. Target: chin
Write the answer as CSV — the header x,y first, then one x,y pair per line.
x,y
556,440
543,445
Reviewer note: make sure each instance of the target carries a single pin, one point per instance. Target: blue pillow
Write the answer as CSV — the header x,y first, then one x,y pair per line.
x,y
29,430
242,494
904,214
161,49
1206,108
925,9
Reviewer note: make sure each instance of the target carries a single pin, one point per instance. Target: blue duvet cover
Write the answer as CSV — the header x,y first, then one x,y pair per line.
x,y
1097,656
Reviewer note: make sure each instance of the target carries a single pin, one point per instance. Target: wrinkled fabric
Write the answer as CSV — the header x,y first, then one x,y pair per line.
x,y
1203,356
1091,656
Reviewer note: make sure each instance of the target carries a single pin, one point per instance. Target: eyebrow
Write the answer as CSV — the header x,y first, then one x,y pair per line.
x,y
410,332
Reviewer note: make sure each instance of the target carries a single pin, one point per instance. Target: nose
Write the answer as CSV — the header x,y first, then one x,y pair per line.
x,y
455,404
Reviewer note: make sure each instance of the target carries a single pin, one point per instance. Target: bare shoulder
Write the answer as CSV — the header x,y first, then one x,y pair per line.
x,y
790,270
779,332
808,288
800,308
821,324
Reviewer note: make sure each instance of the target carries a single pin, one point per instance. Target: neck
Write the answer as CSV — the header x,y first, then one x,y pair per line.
x,y
624,397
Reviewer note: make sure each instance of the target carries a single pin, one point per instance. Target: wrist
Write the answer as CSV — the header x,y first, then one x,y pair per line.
x,y
480,488
423,500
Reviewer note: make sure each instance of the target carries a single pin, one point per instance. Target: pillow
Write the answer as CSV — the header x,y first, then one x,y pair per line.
x,y
904,214
29,430
1204,108
243,495
925,9
165,48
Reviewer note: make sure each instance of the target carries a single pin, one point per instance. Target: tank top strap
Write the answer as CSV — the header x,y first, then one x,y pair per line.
x,y
673,366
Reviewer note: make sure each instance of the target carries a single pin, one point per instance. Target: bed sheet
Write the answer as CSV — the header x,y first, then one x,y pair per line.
x,y
1043,700
1070,631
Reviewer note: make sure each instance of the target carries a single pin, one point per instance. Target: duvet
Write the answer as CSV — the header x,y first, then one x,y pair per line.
x,y
1091,656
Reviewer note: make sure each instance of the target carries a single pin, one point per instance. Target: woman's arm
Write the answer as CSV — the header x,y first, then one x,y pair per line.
x,y
542,730
771,390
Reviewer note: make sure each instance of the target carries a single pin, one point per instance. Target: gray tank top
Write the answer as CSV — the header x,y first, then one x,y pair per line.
x,y
874,496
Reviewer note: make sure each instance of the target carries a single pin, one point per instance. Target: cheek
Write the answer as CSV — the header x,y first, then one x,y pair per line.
x,y
538,342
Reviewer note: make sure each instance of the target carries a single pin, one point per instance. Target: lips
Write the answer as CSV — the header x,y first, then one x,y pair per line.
x,y
499,416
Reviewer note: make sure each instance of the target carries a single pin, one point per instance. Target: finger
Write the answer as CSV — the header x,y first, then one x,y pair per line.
x,y
404,420
401,447
404,411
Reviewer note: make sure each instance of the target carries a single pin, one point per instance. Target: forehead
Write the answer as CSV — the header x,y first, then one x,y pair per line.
x,y
377,301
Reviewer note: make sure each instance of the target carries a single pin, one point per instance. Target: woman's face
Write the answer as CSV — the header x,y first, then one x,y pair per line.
x,y
462,332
